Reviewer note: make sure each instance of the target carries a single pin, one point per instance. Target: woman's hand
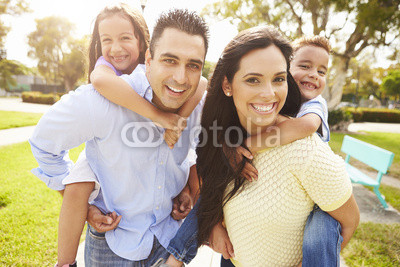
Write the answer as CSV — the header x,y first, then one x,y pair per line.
x,y
219,241
101,222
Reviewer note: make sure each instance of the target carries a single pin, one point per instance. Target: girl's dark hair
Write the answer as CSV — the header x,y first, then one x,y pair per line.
x,y
213,165
138,22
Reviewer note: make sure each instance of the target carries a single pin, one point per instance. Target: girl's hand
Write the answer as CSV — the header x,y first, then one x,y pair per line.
x,y
171,137
171,121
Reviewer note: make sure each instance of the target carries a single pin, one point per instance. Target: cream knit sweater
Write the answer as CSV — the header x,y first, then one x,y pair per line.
x,y
266,219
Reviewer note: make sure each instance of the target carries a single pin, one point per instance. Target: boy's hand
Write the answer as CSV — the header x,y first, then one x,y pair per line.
x,y
219,241
171,137
249,171
183,204
100,222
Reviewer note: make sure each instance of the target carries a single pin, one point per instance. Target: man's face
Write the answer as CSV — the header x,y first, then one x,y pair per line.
x,y
175,70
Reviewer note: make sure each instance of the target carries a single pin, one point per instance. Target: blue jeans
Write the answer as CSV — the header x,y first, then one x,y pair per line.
x,y
321,241
184,245
98,253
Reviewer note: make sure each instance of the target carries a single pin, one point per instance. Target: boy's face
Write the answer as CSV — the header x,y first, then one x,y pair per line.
x,y
308,68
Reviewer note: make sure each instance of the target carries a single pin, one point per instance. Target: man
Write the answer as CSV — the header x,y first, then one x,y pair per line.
x,y
139,176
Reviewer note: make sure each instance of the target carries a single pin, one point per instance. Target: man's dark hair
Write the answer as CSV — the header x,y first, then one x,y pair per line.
x,y
181,19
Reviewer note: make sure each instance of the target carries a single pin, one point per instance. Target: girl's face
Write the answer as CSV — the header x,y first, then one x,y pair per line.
x,y
119,45
259,88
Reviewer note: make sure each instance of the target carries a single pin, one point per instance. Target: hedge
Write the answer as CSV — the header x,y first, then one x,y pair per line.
x,y
374,114
38,97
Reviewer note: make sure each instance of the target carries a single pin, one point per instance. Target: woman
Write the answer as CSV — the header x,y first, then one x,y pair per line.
x,y
251,91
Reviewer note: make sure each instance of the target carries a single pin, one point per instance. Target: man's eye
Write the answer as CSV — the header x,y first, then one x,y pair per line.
x,y
194,66
169,61
279,79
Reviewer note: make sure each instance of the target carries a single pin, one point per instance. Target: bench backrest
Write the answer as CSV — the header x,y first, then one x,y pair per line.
x,y
376,157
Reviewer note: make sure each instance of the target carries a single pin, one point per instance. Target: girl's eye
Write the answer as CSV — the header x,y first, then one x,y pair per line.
x,y
126,38
252,80
304,66
106,40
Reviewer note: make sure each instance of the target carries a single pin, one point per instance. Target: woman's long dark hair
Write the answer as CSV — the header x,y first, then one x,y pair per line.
x,y
213,165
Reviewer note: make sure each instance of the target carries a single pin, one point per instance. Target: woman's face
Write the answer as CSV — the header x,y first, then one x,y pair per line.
x,y
259,88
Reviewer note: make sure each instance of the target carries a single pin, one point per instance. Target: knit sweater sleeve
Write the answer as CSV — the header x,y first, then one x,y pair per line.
x,y
323,175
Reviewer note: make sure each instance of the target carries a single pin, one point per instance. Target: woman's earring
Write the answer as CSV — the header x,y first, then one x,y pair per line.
x,y
228,93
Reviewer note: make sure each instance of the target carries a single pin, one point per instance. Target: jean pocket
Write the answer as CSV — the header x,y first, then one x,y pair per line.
x,y
96,235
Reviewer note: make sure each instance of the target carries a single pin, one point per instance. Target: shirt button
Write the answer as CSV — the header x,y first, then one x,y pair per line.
x,y
159,187
157,208
161,163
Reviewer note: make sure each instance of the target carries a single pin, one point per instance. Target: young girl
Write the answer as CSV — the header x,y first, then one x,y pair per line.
x,y
119,41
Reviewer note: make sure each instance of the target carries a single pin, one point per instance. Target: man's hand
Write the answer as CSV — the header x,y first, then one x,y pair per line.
x,y
219,241
183,204
100,222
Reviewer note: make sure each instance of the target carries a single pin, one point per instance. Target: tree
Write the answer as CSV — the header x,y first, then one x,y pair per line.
x,y
391,84
13,8
61,57
372,23
73,65
208,69
8,69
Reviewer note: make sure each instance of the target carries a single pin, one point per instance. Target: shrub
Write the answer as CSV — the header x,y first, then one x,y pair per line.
x,y
375,115
38,97
339,119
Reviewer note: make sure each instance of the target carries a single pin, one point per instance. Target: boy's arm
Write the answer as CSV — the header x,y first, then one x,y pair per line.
x,y
115,89
285,132
192,102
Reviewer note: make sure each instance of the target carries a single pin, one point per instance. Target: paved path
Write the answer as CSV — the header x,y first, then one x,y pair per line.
x,y
16,104
375,127
15,135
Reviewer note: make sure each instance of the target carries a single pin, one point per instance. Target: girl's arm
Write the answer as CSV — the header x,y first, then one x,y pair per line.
x,y
285,132
115,89
348,215
192,102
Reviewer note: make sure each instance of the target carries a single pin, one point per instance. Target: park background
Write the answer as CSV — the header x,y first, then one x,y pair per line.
x,y
43,55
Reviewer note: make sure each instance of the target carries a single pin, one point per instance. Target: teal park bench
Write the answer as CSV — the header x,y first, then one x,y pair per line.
x,y
375,157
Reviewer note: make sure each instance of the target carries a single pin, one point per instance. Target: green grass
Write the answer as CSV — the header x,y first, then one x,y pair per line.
x,y
374,245
29,210
392,194
12,119
388,141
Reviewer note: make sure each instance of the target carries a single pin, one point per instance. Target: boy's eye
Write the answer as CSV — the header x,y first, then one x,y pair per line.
x,y
322,72
304,66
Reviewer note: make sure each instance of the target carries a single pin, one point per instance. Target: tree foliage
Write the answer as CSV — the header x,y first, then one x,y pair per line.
x,y
12,8
61,58
8,70
350,25
391,84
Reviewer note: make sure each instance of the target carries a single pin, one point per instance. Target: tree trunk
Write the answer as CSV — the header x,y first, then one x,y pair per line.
x,y
333,94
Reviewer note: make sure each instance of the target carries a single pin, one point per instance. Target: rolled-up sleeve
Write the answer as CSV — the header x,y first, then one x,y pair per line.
x,y
66,125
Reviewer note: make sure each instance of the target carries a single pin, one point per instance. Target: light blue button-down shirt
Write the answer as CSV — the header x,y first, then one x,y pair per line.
x,y
139,175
